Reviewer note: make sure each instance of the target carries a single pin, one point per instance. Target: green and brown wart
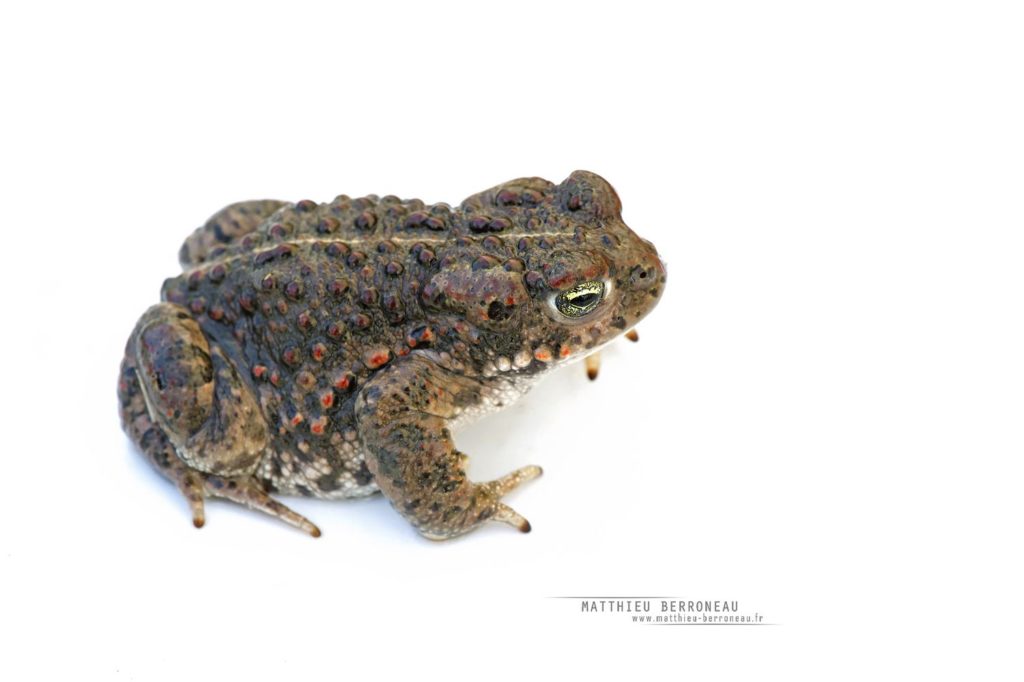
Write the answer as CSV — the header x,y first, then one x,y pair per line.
x,y
326,350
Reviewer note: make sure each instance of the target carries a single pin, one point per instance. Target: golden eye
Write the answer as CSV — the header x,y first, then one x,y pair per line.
x,y
581,299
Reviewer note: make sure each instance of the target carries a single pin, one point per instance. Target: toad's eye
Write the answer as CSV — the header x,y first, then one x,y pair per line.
x,y
581,299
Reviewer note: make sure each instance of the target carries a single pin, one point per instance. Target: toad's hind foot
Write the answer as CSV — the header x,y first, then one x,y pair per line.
x,y
196,486
250,492
191,416
192,486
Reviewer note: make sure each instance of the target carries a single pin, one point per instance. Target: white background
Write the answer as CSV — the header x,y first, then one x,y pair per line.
x,y
822,419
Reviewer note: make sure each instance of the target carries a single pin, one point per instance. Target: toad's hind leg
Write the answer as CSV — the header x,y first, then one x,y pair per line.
x,y
188,410
224,227
403,415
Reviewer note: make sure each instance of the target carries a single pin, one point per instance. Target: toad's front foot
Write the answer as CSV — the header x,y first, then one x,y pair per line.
x,y
506,484
479,503
403,424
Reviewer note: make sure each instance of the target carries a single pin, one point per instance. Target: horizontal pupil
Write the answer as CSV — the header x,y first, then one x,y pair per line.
x,y
580,300
583,300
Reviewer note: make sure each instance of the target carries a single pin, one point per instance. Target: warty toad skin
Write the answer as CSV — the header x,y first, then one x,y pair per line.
x,y
326,350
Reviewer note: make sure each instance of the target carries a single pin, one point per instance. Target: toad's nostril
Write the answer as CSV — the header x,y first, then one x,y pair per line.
x,y
642,277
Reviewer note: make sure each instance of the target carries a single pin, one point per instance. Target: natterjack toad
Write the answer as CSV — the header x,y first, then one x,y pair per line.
x,y
327,349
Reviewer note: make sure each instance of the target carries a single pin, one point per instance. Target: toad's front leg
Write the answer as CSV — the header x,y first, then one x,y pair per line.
x,y
403,418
